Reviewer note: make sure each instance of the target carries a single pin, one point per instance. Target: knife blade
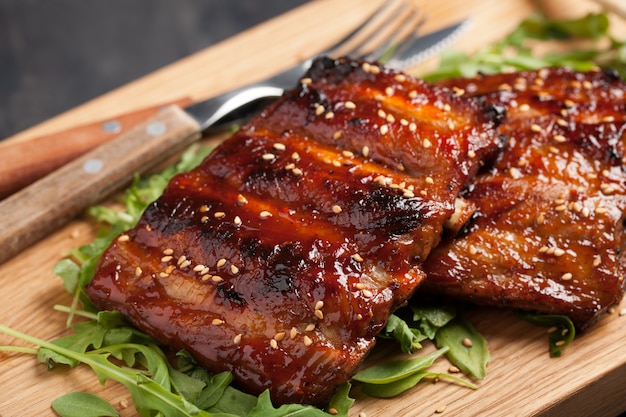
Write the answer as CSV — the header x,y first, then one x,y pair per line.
x,y
33,212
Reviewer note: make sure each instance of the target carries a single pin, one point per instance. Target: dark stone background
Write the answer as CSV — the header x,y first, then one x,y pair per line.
x,y
57,54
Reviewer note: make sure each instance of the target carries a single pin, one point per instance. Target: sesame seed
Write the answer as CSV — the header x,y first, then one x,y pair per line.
x,y
279,336
204,208
237,220
337,209
219,214
426,143
561,122
467,342
319,109
357,257
359,285
390,118
319,314
349,105
458,91
566,276
597,260
400,78
337,134
138,271
329,115
367,293
123,238
524,107
185,264
429,180
265,214
237,339
559,252
268,156
389,91
168,251
348,154
297,171
293,333
310,327
473,250
217,322
408,194
453,370
273,343
413,128
217,278
307,340
241,199
535,128
167,258
205,277
221,263
622,312
204,271
381,113
290,166
279,146
471,154
365,151
234,269
601,210
384,129
559,138
319,305
440,408
561,207
164,274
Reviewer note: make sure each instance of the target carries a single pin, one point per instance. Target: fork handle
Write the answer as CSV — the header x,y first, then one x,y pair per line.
x,y
44,206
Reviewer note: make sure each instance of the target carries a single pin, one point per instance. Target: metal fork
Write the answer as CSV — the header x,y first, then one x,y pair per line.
x,y
385,34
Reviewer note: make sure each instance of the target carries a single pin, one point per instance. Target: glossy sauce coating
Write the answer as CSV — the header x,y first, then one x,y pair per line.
x,y
283,254
548,234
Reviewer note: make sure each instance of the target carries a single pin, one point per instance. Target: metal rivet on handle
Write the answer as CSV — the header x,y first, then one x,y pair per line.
x,y
156,129
93,166
112,126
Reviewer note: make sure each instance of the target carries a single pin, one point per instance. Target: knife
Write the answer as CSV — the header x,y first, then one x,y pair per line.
x,y
47,204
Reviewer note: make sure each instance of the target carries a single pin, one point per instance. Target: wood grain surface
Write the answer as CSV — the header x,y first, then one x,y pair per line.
x,y
522,380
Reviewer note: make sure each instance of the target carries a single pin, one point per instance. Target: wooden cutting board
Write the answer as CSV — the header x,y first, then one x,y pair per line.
x,y
522,380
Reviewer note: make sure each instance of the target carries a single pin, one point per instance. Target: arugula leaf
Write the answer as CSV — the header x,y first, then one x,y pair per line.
x,y
562,334
396,388
396,370
398,329
467,348
516,50
83,404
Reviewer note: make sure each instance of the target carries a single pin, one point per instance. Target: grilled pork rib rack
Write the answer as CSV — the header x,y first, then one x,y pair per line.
x,y
548,231
281,256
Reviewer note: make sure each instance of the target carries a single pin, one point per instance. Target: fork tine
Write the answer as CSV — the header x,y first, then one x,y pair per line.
x,y
363,34
400,39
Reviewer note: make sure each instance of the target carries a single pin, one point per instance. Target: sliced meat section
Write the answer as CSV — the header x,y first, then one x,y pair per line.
x,y
547,234
282,255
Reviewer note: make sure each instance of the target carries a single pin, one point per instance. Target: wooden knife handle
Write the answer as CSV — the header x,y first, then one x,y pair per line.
x,y
30,214
24,162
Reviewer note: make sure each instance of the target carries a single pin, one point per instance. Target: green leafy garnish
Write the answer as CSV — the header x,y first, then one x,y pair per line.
x,y
517,50
467,347
393,378
83,404
561,334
